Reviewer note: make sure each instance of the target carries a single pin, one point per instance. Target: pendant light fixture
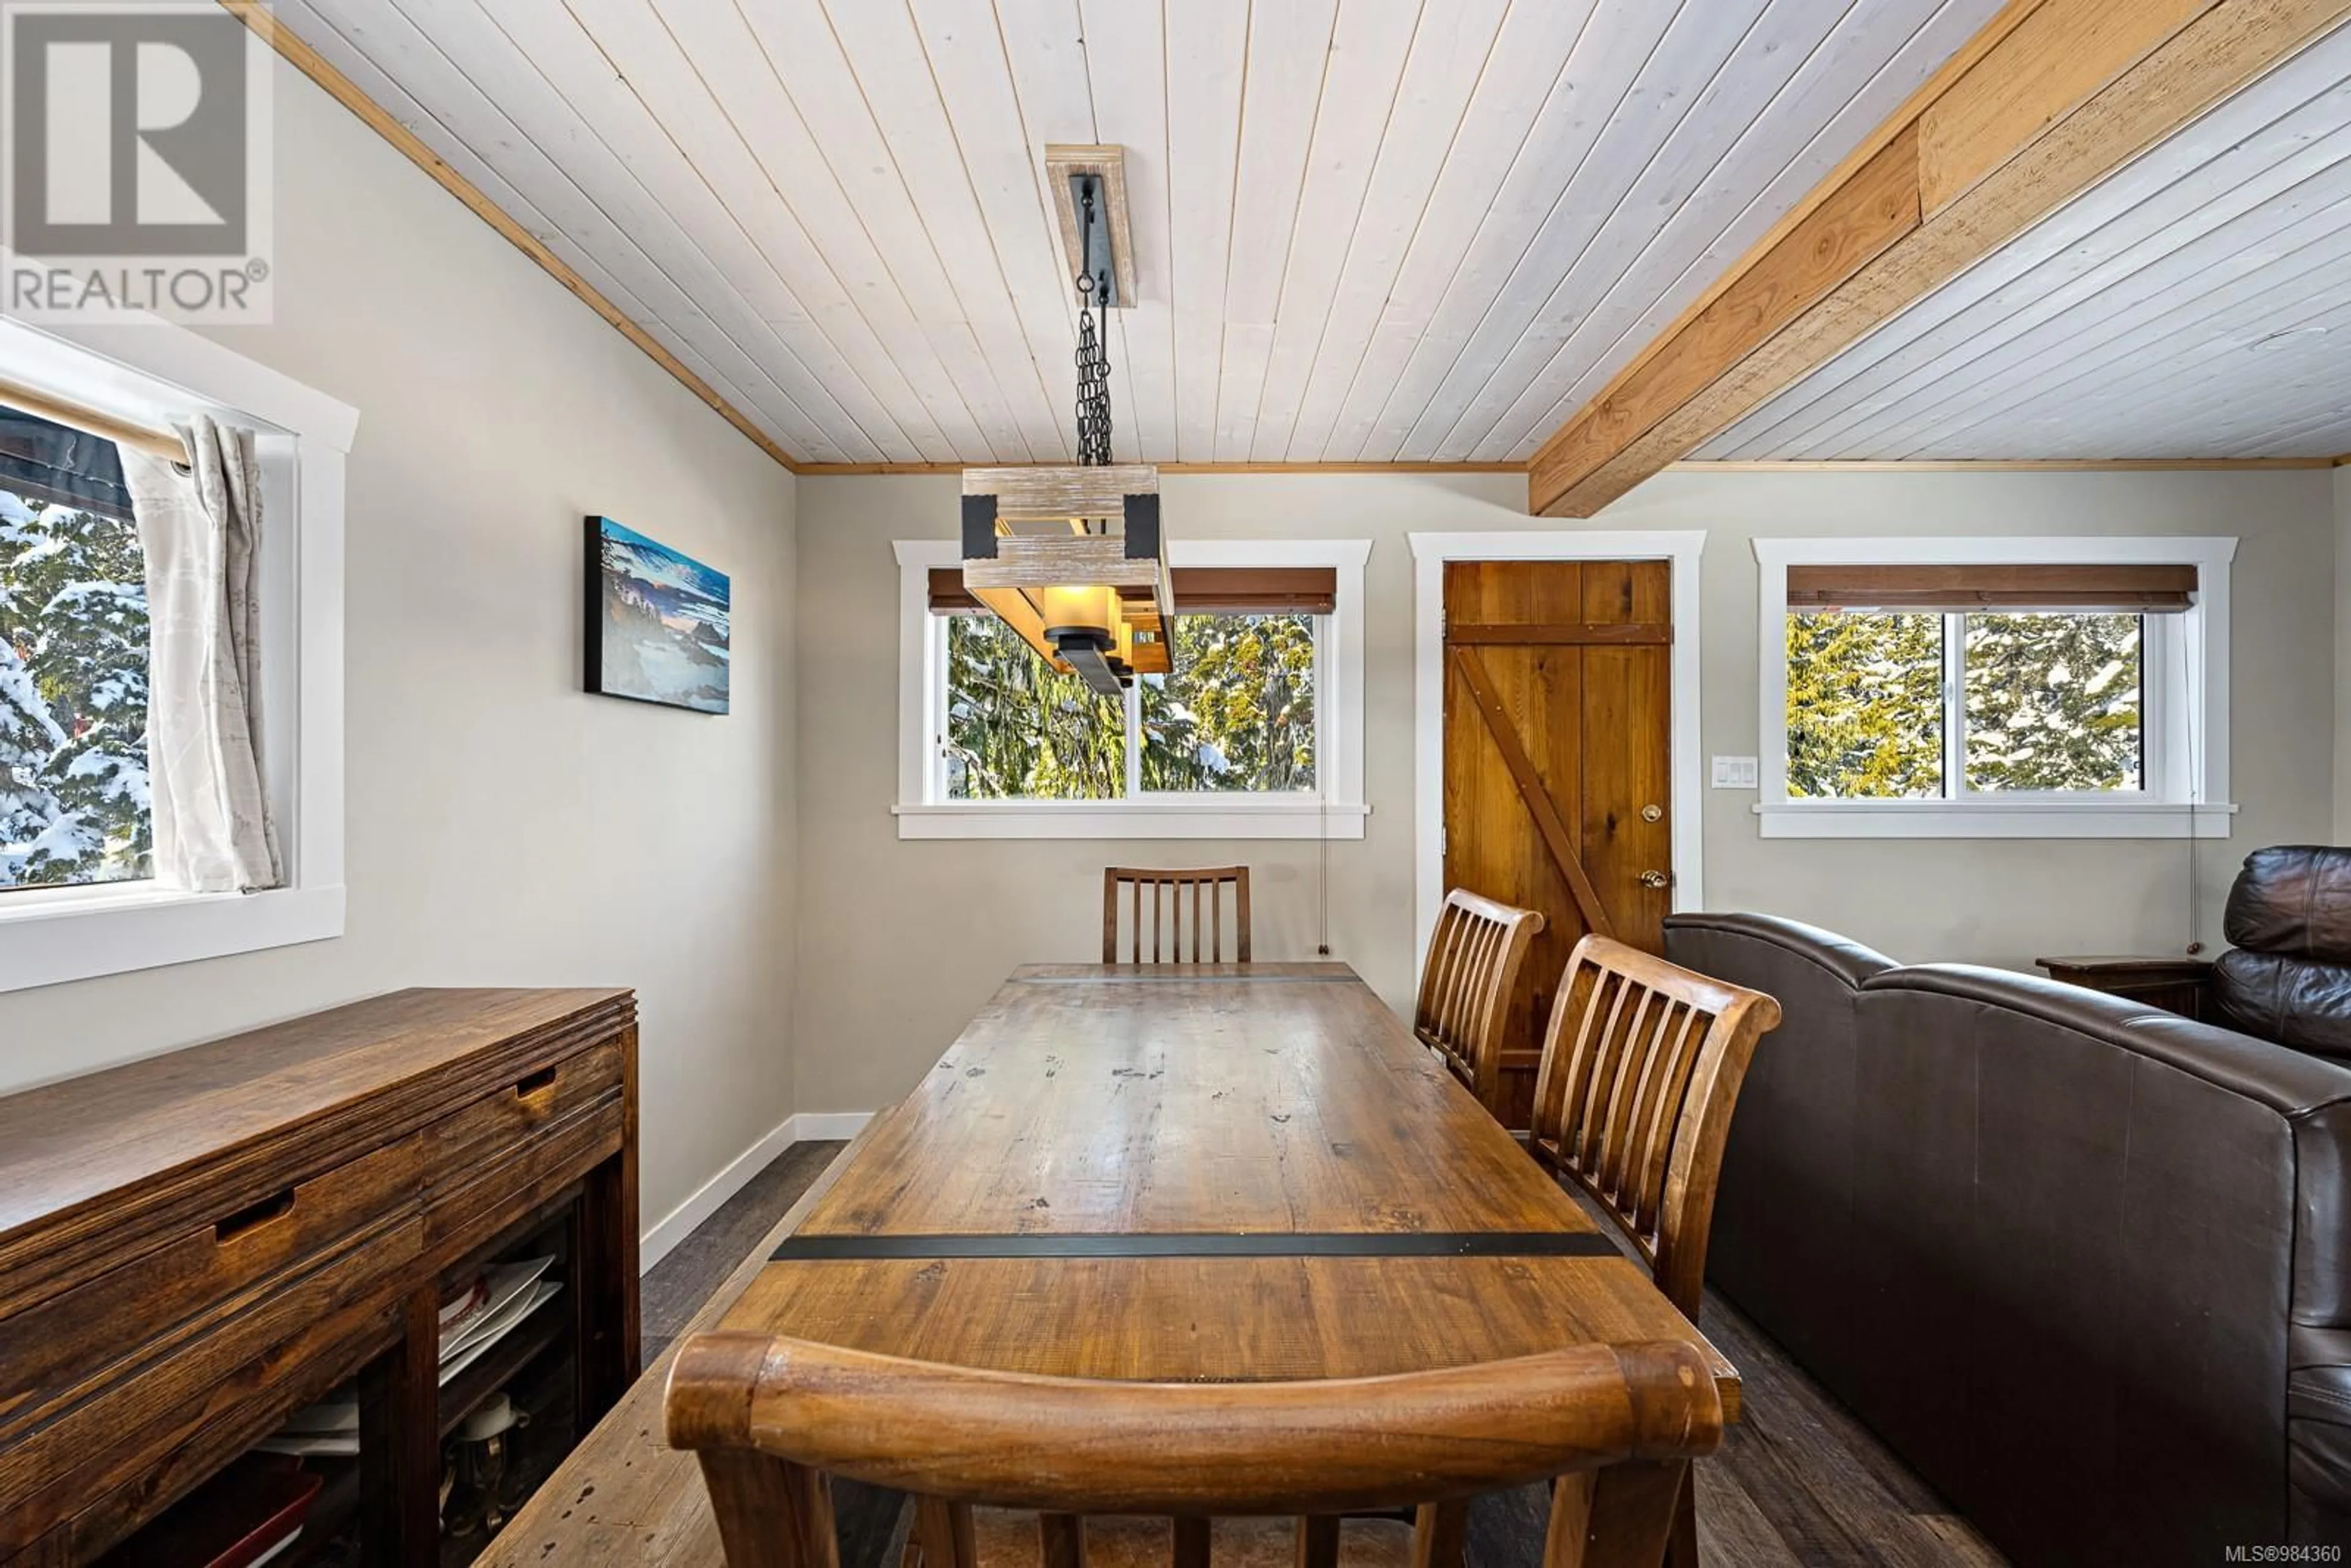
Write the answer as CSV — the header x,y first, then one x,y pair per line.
x,y
1071,556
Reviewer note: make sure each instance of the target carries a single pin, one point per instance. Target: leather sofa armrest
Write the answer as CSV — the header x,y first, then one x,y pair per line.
x,y
2318,1434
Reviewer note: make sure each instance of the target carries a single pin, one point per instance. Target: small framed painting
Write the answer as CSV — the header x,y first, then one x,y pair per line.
x,y
657,627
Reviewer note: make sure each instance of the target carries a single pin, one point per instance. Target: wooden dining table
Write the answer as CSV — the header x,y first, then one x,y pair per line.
x,y
1186,1172
1161,1173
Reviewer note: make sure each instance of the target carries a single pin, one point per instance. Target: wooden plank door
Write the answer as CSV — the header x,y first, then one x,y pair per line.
x,y
1556,763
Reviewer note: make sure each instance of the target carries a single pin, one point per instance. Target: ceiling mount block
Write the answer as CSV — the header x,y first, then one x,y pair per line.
x,y
1072,169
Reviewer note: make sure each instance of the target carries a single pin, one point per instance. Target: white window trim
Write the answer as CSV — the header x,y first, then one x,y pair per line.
x,y
152,373
1683,549
2192,797
1336,810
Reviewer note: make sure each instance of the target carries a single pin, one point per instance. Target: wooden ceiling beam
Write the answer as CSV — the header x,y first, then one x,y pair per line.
x,y
2050,99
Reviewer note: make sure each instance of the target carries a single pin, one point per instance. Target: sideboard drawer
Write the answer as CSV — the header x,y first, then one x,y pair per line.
x,y
92,1445
503,1192
503,1123
58,1350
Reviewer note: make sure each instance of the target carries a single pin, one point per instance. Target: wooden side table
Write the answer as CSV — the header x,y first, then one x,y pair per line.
x,y
2175,984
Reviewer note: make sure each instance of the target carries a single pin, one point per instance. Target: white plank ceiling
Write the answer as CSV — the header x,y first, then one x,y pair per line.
x,y
2196,305
1367,230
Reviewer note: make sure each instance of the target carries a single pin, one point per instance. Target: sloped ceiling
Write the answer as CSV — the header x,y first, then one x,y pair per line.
x,y
1367,230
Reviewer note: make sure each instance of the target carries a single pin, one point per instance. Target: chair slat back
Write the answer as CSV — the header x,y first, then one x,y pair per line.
x,y
1474,959
772,1419
1642,1064
1174,905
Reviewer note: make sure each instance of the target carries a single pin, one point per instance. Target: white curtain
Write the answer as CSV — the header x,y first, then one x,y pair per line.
x,y
201,526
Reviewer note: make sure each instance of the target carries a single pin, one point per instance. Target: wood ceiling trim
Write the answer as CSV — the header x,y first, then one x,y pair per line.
x,y
2000,146
849,470
1995,464
345,91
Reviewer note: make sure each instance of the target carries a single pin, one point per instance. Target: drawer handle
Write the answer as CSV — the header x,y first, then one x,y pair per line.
x,y
536,1082
253,1215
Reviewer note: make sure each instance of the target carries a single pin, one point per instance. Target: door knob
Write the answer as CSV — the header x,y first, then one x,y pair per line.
x,y
1652,812
1653,879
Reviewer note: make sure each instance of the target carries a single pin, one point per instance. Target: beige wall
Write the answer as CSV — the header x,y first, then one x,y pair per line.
x,y
902,941
503,826
2342,655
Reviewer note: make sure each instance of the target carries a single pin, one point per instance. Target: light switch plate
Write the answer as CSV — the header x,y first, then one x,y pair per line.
x,y
1734,773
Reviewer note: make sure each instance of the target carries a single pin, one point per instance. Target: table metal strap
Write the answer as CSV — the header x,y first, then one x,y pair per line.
x,y
1262,1244
1184,980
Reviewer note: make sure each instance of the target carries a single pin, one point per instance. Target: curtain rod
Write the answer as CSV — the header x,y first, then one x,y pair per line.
x,y
162,443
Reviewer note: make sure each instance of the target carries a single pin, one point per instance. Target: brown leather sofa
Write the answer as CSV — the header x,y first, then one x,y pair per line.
x,y
2086,1266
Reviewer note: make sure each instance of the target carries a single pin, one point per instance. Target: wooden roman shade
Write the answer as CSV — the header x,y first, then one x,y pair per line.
x,y
2147,589
1199,591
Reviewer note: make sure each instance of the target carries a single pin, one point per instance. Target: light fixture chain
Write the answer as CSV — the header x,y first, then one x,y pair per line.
x,y
1094,363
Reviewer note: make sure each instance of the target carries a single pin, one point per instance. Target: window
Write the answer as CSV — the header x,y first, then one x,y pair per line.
x,y
1237,715
1994,687
77,893
74,806
1940,706
1254,735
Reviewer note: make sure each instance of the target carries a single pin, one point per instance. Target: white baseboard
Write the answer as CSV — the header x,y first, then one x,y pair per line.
x,y
809,1126
814,1126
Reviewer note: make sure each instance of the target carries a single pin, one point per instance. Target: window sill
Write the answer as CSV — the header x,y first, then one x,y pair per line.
x,y
1992,819
80,934
1131,820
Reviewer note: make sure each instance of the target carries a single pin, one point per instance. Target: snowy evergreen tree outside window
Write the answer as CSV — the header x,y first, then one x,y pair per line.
x,y
1865,706
74,805
2041,702
1237,717
2054,703
1016,729
1238,713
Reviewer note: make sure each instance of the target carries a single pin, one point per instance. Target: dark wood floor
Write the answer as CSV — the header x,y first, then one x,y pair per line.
x,y
1799,1482
675,1290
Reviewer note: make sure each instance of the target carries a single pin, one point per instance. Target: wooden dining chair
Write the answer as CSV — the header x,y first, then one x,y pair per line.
x,y
1159,898
1642,1064
1474,959
1613,1427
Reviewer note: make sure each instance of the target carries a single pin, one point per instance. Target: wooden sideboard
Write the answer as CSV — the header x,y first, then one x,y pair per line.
x,y
195,1245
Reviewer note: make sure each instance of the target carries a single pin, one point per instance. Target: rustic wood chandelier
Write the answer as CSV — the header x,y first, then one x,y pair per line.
x,y
1072,555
